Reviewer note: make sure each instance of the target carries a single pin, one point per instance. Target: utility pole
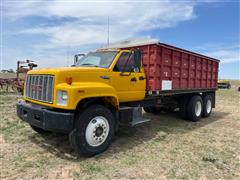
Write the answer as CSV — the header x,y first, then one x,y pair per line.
x,y
68,56
108,31
1,35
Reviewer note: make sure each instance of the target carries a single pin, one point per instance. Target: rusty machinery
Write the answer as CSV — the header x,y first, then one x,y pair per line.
x,y
17,83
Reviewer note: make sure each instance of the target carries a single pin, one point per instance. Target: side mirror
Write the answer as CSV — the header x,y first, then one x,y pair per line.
x,y
137,59
77,57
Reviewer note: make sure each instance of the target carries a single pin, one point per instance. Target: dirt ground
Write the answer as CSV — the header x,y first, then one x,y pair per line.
x,y
165,148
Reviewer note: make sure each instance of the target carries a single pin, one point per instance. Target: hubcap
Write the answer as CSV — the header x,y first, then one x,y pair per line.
x,y
198,108
97,131
209,106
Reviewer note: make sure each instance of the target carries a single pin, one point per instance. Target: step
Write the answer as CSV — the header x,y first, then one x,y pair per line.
x,y
137,117
139,121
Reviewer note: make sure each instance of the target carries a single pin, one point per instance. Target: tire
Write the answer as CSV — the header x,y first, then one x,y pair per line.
x,y
207,106
152,109
93,132
183,107
229,86
194,108
146,109
39,130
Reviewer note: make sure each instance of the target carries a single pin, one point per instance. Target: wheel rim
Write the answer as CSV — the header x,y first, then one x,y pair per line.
x,y
198,108
209,106
97,131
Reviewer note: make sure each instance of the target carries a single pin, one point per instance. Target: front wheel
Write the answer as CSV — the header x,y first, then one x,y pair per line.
x,y
94,130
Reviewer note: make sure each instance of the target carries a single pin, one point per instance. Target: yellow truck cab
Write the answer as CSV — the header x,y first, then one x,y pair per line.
x,y
109,87
84,97
88,78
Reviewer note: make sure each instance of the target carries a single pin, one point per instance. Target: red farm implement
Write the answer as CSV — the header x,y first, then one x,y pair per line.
x,y
16,84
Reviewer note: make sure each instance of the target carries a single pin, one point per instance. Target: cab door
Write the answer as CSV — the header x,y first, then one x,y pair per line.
x,y
128,80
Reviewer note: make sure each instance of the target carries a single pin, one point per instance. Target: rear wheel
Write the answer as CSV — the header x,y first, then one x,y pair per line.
x,y
207,106
94,130
183,107
194,108
39,130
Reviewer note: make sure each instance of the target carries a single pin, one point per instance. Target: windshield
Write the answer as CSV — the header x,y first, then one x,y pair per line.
x,y
98,59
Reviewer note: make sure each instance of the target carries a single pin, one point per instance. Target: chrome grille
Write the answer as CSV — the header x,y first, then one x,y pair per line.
x,y
40,87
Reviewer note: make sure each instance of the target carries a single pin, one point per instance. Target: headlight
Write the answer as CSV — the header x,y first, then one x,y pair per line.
x,y
62,98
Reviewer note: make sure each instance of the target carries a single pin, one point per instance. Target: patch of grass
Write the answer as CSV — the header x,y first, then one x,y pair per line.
x,y
15,132
177,173
76,174
219,158
131,160
1,156
210,158
18,160
166,147
91,168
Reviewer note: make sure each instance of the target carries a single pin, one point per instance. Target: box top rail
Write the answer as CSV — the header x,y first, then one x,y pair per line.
x,y
148,41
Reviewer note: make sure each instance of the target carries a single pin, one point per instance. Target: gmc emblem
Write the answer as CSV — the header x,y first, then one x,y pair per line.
x,y
36,87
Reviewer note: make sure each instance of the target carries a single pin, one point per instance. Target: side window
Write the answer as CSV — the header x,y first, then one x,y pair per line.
x,y
125,62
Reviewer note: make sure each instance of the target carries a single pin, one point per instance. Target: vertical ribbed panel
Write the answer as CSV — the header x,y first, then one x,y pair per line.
x,y
40,87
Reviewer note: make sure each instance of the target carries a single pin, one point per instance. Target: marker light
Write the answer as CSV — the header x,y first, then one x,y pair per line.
x,y
69,80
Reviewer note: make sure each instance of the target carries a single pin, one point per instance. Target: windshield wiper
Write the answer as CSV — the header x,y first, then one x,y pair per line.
x,y
89,64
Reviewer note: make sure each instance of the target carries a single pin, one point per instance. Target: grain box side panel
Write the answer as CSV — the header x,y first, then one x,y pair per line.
x,y
170,68
166,69
176,70
185,72
151,64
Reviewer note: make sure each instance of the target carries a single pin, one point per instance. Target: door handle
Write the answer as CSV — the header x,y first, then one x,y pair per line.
x,y
105,77
134,79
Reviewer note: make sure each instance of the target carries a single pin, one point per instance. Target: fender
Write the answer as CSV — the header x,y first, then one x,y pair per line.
x,y
82,90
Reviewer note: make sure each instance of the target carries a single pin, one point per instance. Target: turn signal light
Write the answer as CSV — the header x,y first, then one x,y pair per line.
x,y
69,80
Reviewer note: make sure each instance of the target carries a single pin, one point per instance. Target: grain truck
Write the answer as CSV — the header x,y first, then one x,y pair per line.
x,y
109,87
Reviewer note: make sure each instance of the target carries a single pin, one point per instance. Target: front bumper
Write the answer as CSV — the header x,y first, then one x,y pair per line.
x,y
46,119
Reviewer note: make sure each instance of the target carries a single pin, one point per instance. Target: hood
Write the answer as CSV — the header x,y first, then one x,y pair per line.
x,y
78,74
60,70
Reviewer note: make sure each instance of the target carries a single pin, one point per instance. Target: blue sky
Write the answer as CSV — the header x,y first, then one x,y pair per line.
x,y
51,32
